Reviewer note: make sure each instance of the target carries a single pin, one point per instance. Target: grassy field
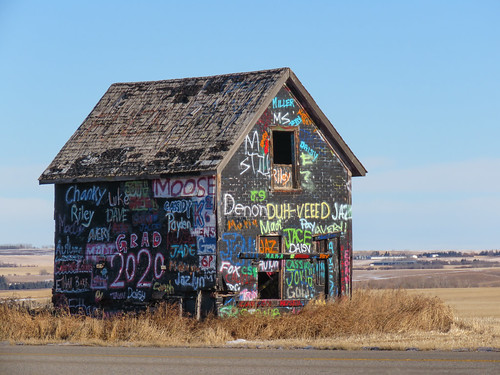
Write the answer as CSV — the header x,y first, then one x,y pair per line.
x,y
391,319
465,302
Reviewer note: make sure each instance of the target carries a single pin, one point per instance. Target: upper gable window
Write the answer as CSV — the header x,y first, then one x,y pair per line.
x,y
283,147
284,160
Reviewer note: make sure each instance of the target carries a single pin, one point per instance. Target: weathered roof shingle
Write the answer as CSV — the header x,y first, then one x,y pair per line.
x,y
150,129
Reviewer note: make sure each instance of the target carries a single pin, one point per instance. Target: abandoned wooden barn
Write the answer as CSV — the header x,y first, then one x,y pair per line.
x,y
226,193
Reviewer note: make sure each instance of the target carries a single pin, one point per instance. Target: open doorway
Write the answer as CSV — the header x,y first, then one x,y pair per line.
x,y
330,279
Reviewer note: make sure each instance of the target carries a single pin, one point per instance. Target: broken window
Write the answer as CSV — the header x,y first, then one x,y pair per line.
x,y
269,285
269,271
284,160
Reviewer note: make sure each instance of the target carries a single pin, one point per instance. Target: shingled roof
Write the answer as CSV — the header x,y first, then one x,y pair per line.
x,y
151,129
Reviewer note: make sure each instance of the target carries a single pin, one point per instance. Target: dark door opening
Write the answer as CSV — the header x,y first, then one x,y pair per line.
x,y
328,276
269,285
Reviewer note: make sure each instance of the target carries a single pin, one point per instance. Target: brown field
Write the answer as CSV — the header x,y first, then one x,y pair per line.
x,y
427,278
25,271
29,260
468,302
39,294
30,268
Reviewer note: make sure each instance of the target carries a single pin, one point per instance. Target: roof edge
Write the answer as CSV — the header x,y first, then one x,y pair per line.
x,y
256,115
201,77
320,118
42,181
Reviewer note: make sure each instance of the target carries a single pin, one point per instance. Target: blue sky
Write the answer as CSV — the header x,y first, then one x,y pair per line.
x,y
412,87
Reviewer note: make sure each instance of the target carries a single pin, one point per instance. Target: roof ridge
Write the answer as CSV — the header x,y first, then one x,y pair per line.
x,y
203,77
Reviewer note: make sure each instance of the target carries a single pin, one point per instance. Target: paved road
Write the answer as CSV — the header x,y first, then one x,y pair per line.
x,y
75,360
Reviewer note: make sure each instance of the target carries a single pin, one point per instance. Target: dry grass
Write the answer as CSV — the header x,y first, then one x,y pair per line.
x,y
368,312
386,319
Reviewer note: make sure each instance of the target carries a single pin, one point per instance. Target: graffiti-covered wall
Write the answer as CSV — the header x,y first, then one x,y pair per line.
x,y
284,194
270,233
120,244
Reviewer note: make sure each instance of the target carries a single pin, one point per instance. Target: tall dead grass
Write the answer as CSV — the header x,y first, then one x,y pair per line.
x,y
367,313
